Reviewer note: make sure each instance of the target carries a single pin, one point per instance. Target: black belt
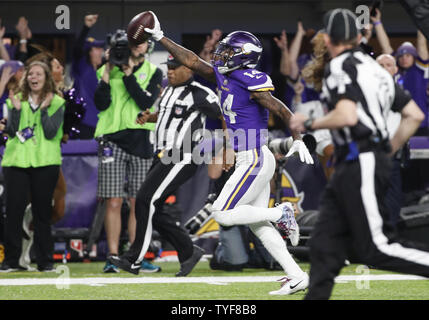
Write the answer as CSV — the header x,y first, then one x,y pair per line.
x,y
351,151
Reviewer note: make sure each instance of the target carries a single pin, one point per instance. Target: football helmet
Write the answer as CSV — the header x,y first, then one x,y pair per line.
x,y
239,49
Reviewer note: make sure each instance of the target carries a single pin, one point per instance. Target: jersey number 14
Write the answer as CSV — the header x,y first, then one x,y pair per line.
x,y
227,108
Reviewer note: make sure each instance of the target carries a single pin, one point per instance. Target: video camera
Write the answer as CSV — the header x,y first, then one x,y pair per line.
x,y
194,224
282,145
119,49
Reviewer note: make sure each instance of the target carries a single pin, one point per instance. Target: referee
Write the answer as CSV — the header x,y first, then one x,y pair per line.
x,y
358,93
183,108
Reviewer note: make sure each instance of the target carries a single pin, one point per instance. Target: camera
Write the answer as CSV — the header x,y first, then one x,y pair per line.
x,y
376,4
119,50
195,223
282,145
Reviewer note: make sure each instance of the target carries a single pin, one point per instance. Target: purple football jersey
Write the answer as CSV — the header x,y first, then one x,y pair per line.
x,y
246,118
415,80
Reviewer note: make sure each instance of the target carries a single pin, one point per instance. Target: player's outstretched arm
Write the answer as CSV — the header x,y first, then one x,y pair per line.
x,y
185,56
189,59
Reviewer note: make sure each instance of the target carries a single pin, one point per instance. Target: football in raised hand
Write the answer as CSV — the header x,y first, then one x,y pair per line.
x,y
135,29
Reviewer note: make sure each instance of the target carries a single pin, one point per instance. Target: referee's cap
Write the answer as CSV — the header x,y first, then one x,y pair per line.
x,y
340,25
172,62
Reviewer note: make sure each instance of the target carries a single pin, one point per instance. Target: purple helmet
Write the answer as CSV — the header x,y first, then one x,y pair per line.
x,y
237,50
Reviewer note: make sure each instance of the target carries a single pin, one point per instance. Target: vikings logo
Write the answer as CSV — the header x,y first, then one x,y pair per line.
x,y
289,192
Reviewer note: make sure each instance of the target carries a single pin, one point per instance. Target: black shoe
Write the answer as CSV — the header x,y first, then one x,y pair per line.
x,y
124,264
225,266
187,266
46,268
4,268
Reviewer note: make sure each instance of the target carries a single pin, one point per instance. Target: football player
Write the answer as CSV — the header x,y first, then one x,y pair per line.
x,y
246,100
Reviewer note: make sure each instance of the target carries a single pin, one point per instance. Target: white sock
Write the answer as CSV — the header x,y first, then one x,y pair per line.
x,y
246,214
276,246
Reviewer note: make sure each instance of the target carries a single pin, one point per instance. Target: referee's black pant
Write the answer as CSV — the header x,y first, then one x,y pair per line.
x,y
353,215
161,181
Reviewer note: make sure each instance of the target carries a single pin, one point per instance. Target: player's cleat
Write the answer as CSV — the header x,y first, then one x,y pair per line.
x,y
148,267
187,266
287,222
110,268
124,264
291,286
27,240
294,235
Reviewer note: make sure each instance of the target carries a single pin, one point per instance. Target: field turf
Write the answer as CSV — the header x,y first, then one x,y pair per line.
x,y
207,289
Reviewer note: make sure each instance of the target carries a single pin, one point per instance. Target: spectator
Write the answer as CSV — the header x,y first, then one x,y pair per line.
x,y
292,63
11,73
4,55
413,64
31,163
87,57
125,150
282,44
6,73
210,45
388,62
54,65
25,35
307,78
313,75
294,50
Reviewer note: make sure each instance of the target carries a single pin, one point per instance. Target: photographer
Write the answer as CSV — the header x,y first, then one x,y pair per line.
x,y
128,85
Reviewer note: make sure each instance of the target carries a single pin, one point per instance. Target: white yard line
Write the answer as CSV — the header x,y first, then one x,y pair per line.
x,y
208,280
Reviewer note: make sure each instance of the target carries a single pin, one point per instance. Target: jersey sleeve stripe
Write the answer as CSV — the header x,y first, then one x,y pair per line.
x,y
424,67
263,89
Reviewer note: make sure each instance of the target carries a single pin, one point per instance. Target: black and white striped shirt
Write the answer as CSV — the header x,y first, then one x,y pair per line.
x,y
182,111
356,76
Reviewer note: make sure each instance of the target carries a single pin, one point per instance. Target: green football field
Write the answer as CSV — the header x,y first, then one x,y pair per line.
x,y
86,281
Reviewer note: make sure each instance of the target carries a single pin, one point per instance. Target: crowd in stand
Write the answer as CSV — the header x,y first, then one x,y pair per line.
x,y
37,104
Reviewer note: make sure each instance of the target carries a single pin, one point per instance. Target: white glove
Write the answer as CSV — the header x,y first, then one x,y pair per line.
x,y
299,147
156,32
